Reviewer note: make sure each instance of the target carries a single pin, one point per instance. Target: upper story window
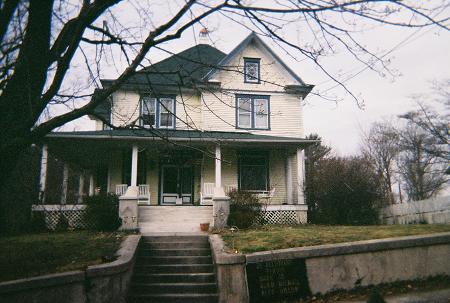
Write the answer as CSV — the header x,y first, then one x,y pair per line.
x,y
252,112
251,70
158,112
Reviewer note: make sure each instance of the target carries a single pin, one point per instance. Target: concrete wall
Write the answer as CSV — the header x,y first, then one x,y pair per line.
x,y
436,210
230,272
348,265
99,283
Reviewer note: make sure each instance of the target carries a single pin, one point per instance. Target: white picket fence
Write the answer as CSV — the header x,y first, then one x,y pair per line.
x,y
436,210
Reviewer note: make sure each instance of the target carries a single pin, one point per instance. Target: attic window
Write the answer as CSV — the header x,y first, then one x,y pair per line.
x,y
251,70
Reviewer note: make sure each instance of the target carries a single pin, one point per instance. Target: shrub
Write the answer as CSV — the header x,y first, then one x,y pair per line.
x,y
244,209
37,223
343,191
102,212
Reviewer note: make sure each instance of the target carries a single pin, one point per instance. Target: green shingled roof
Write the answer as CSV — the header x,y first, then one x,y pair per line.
x,y
180,69
177,135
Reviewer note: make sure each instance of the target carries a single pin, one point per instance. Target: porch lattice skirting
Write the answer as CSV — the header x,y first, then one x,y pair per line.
x,y
283,214
52,214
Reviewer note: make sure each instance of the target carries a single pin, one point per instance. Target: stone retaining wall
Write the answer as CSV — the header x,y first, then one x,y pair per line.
x,y
345,265
99,283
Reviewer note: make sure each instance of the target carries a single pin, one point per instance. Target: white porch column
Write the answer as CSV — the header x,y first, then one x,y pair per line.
x,y
289,179
81,188
91,185
65,183
221,203
134,164
43,175
300,175
218,190
128,203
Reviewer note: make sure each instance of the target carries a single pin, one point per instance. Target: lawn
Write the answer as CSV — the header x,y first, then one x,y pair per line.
x,y
37,254
278,237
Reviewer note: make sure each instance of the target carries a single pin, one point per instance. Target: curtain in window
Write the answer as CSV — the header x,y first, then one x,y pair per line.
x,y
244,112
261,113
149,111
166,111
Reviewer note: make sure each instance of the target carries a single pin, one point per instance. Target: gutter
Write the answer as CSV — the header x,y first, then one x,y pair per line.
x,y
180,139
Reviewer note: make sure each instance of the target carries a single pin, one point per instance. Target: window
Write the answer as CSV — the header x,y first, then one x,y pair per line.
x,y
158,112
252,112
166,112
148,115
251,70
253,173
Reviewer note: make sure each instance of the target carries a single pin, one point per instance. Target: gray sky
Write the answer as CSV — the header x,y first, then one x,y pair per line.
x,y
418,55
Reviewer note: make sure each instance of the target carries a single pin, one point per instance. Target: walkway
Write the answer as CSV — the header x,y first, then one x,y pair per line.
x,y
173,219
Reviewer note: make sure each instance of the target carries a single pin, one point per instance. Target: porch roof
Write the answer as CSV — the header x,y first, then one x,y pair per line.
x,y
179,135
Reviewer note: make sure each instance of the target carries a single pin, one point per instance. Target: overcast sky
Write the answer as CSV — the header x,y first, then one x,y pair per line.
x,y
418,56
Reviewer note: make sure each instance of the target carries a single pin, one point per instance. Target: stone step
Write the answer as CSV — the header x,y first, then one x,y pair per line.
x,y
173,278
174,252
173,245
177,268
177,288
142,260
175,238
174,298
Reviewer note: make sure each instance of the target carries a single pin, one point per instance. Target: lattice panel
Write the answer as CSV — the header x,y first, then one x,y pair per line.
x,y
74,217
285,217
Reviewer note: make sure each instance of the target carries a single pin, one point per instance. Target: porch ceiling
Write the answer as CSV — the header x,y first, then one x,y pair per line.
x,y
93,148
185,136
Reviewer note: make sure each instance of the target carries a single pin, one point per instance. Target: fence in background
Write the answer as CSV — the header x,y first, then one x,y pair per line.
x,y
436,210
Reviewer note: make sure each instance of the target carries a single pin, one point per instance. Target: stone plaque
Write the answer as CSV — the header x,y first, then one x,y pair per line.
x,y
277,281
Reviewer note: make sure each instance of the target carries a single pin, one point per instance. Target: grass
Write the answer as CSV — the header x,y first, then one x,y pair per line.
x,y
278,237
37,254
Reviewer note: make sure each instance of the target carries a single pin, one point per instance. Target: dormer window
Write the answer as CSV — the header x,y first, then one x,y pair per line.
x,y
157,112
251,70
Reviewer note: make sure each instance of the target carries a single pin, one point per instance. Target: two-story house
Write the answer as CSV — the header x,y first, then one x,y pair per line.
x,y
198,124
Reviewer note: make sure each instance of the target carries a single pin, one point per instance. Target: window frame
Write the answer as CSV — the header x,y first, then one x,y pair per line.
x,y
252,111
249,155
158,112
252,60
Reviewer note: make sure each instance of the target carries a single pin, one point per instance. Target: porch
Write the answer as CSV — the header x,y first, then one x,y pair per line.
x,y
174,172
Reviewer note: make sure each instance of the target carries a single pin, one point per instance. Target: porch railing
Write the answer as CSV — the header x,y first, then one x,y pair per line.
x,y
143,192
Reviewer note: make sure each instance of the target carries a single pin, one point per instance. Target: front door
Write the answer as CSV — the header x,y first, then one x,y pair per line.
x,y
176,185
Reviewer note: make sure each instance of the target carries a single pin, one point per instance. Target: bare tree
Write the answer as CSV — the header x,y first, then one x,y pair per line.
x,y
434,123
422,172
39,40
381,147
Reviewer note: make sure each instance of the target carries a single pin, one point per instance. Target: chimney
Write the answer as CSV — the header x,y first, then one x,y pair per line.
x,y
204,36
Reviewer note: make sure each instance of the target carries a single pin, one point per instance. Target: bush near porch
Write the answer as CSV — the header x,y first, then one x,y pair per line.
x,y
278,237
38,254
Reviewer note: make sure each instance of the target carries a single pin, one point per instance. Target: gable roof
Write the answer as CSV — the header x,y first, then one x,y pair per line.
x,y
182,69
250,38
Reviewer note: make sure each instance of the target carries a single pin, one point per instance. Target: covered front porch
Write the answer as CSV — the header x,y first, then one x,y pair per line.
x,y
181,168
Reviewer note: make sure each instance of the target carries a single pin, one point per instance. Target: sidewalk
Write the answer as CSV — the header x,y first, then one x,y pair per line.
x,y
434,296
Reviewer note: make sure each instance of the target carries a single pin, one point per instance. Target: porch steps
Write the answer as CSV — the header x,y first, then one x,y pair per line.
x,y
173,269
184,219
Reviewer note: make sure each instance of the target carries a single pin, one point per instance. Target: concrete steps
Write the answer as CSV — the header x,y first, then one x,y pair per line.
x,y
173,269
173,218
